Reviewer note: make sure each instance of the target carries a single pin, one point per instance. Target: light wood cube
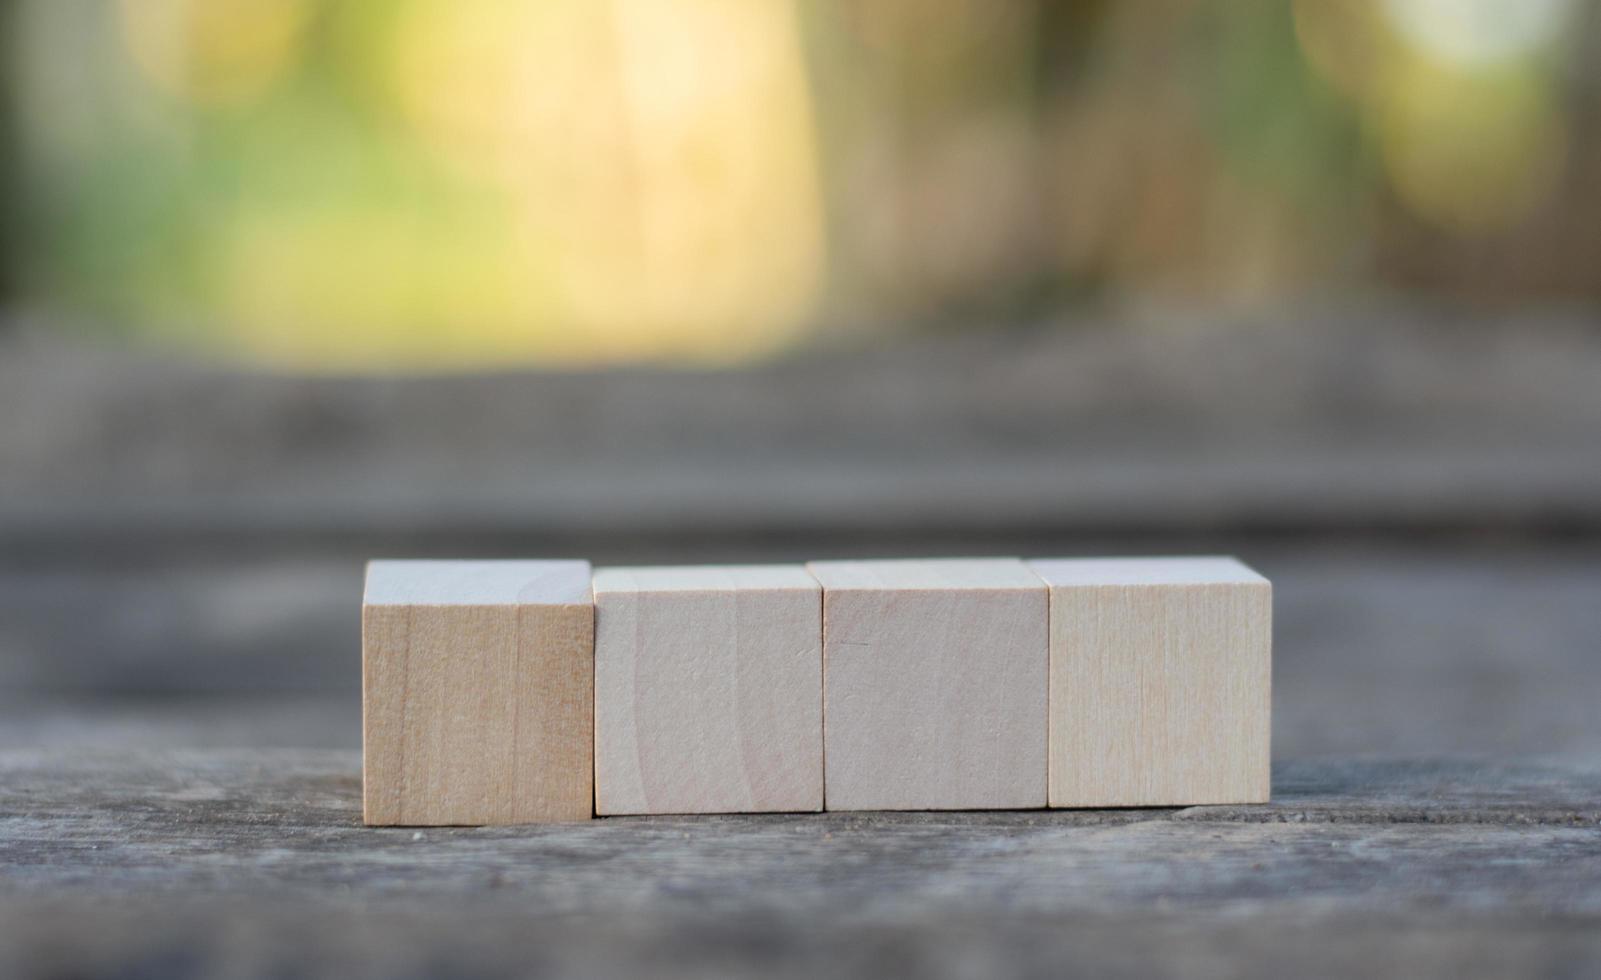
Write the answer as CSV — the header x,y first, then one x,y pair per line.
x,y
708,690
1160,681
477,692
935,684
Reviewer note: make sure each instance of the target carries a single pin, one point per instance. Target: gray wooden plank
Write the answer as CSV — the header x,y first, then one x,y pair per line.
x,y
191,818
184,860
1380,417
179,939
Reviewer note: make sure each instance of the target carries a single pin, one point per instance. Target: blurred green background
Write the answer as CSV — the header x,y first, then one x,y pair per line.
x,y
451,184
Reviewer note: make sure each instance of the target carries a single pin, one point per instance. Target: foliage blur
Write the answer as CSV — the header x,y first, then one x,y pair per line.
x,y
337,184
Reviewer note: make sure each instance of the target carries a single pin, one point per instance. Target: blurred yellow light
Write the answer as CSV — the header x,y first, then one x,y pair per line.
x,y
361,286
1471,152
213,52
658,156
1480,32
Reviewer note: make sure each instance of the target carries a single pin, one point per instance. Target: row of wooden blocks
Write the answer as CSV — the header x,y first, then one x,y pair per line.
x,y
502,692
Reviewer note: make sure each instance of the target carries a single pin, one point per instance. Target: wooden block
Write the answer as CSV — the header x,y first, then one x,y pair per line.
x,y
1160,681
935,683
708,690
477,692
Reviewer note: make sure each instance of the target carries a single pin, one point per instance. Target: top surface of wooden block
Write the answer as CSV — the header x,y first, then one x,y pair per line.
x,y
1200,570
925,574
703,578
477,583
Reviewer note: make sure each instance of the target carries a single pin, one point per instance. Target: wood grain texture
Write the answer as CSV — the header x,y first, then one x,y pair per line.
x,y
477,692
934,684
1160,681
165,864
708,690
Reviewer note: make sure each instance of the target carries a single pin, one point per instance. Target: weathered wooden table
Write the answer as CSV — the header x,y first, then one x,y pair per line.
x,y
180,553
254,862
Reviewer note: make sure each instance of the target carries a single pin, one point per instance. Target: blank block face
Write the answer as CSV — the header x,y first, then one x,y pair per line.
x,y
708,690
477,692
1161,676
935,684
